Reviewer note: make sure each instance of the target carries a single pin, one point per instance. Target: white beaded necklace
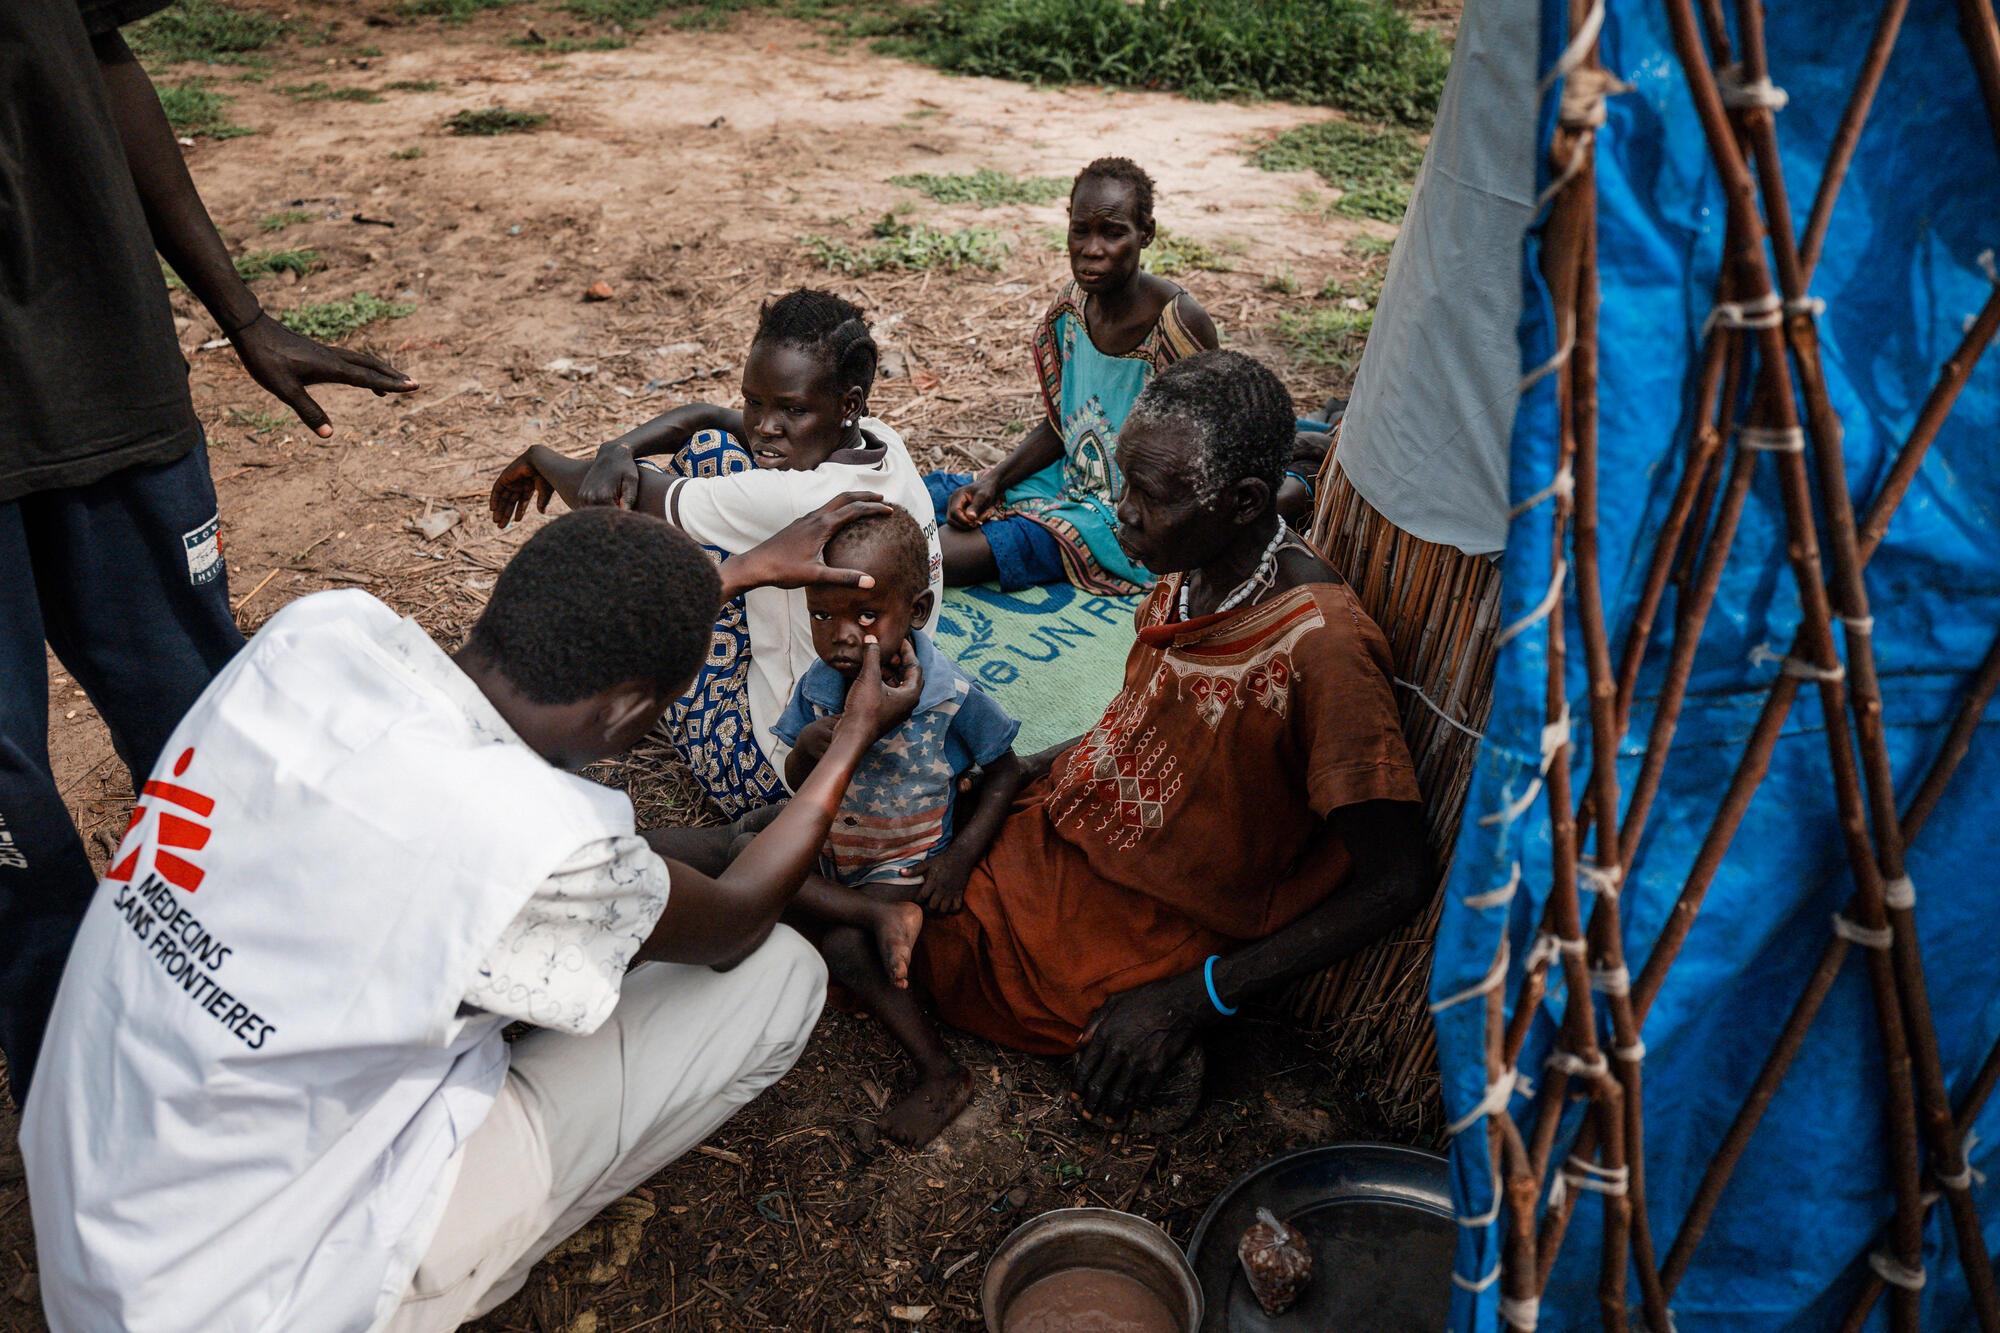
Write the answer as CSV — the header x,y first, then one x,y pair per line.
x,y
1260,578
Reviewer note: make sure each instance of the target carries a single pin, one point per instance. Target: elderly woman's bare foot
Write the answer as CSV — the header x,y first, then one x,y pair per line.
x,y
934,1103
896,927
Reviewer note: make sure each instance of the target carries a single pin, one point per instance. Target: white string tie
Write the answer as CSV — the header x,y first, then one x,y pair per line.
x,y
1894,1272
1541,609
1555,735
1523,1314
1496,897
1494,976
1632,1054
1494,1099
1762,313
1548,367
1805,305
1569,1062
1611,980
1988,267
1491,1215
1803,670
1563,485
1868,937
1464,1283
1433,705
1600,880
1859,624
1740,94
1597,1179
1900,893
1967,1174
1578,47
1771,439
1583,96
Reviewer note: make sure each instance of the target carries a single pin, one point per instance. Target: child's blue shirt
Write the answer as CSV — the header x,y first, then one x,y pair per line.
x,y
898,810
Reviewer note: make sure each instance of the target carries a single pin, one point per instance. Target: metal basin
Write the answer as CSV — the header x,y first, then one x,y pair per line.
x,y
1380,1222
1099,1238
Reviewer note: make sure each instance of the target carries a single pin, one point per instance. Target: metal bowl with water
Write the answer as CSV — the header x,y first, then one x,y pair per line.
x,y
1098,1238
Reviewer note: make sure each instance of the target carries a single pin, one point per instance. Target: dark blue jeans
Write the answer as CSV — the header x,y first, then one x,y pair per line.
x,y
124,579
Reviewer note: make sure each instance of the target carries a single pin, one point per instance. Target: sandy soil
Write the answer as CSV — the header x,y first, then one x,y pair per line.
x,y
682,171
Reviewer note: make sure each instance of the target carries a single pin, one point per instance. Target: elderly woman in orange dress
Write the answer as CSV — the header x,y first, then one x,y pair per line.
x,y
1244,813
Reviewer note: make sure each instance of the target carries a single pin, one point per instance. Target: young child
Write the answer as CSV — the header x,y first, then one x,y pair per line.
x,y
1047,512
733,479
904,836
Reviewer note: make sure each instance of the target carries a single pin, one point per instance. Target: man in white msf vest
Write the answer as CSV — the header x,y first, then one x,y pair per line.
x,y
274,1094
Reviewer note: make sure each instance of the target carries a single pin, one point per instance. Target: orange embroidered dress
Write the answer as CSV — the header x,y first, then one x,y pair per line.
x,y
1188,821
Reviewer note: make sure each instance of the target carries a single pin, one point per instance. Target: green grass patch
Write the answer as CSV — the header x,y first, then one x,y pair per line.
x,y
204,30
491,120
986,188
564,46
259,423
1372,247
451,11
255,264
1372,167
331,321
911,246
1361,55
325,92
412,86
368,52
197,111
1332,338
410,154
289,217
1171,253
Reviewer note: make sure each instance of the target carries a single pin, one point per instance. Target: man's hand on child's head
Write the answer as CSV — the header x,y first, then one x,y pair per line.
x,y
795,555
519,484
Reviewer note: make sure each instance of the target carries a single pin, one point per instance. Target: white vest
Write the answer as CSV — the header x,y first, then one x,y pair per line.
x,y
257,1073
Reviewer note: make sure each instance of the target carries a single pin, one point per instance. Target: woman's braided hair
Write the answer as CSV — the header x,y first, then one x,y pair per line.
x,y
823,323
1238,412
1124,171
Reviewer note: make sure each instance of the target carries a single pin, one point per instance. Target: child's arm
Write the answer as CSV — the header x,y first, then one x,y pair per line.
x,y
945,875
613,477
808,750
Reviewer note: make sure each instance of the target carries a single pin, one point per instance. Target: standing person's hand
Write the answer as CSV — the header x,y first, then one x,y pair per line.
x,y
969,504
795,555
613,478
286,363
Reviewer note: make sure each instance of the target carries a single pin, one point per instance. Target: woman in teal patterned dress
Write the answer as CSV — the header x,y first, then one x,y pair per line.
x,y
1047,513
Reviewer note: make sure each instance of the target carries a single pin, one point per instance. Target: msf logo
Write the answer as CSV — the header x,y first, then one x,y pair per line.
x,y
174,831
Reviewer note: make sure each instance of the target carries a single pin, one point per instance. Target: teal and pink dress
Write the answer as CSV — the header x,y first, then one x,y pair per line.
x,y
1087,394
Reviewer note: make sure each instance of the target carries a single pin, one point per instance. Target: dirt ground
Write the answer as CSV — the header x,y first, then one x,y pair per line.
x,y
683,171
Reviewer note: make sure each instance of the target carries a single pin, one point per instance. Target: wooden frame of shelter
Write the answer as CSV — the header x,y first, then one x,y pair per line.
x,y
1439,610
1760,348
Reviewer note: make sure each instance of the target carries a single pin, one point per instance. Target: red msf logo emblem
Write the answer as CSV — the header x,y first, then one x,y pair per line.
x,y
174,831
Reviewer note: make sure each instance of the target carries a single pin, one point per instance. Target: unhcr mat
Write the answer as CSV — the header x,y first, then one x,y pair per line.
x,y
1905,271
1051,656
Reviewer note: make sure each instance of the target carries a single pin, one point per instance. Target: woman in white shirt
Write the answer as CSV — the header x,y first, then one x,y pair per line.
x,y
730,480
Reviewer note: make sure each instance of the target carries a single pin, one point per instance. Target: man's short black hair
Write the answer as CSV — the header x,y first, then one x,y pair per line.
x,y
598,598
833,329
1124,171
890,546
1238,412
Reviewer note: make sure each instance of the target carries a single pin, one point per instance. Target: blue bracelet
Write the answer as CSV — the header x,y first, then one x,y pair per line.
x,y
1208,975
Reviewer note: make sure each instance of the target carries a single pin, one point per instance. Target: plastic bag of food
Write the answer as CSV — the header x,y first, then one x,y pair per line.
x,y
1276,1260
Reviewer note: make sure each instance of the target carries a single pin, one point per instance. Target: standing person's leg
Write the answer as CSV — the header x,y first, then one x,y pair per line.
x,y
45,875
128,587
135,596
584,1120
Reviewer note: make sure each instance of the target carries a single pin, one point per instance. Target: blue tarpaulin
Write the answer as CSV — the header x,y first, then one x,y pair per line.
x,y
1908,261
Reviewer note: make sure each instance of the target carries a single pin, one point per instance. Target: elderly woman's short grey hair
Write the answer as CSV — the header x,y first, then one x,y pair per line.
x,y
1234,408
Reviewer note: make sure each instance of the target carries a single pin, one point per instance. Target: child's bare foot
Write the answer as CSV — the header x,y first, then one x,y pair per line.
x,y
934,1103
896,928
